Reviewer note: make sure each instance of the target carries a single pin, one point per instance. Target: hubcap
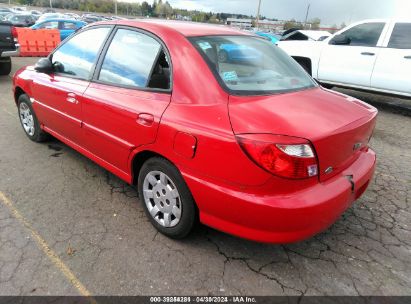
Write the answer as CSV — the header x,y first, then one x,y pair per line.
x,y
162,199
27,119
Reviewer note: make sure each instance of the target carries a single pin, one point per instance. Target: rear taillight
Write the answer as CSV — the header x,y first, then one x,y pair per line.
x,y
14,32
284,156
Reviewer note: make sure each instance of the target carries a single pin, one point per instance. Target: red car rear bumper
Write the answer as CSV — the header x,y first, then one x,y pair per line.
x,y
282,218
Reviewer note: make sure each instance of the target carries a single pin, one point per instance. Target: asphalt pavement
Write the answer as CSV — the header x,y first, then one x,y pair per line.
x,y
68,227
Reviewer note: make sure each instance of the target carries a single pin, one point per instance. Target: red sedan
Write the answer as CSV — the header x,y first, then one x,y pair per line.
x,y
211,125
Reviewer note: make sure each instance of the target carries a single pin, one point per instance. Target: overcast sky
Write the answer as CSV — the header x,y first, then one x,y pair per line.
x,y
329,11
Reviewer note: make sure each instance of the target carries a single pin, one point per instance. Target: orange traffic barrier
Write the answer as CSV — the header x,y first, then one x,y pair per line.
x,y
37,43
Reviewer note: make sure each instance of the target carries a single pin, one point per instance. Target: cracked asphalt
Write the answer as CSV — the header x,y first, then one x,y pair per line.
x,y
95,224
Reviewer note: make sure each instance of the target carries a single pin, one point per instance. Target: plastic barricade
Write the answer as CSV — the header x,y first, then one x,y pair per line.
x,y
37,43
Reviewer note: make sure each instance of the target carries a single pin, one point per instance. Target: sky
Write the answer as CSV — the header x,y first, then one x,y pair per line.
x,y
329,11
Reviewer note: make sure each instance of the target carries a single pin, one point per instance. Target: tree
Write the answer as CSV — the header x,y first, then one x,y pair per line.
x,y
145,8
292,24
315,23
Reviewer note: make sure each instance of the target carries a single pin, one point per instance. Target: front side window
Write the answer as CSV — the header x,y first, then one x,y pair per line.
x,y
401,36
366,34
77,56
137,60
251,66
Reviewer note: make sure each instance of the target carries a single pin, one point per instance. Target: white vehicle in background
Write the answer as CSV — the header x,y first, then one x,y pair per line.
x,y
371,55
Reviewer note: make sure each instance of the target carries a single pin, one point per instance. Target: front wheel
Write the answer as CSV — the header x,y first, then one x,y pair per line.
x,y
167,200
29,121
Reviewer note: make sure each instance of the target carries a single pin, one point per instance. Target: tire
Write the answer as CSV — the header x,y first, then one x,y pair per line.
x,y
222,56
29,121
167,201
5,66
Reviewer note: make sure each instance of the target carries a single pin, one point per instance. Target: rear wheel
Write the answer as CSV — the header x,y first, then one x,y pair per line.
x,y
5,66
29,121
166,198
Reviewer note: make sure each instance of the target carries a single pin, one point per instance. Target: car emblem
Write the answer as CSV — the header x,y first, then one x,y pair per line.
x,y
357,146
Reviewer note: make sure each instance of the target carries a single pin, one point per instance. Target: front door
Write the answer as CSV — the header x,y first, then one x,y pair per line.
x,y
57,97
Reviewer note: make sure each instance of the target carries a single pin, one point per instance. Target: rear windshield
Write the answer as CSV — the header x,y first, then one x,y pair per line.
x,y
246,65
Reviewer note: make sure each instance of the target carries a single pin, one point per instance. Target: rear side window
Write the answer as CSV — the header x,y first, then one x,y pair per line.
x,y
136,60
401,36
77,56
366,34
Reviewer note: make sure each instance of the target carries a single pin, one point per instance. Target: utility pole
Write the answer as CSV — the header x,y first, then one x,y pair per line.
x,y
258,14
306,16
115,7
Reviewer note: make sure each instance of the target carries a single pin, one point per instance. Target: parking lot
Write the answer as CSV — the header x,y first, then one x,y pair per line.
x,y
69,227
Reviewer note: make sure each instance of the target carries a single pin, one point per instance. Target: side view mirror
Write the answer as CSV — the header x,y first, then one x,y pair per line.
x,y
44,65
340,40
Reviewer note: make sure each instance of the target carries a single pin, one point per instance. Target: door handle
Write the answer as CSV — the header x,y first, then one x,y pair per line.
x,y
407,57
145,119
71,97
368,54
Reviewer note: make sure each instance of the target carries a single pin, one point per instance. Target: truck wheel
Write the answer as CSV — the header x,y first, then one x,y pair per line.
x,y
5,66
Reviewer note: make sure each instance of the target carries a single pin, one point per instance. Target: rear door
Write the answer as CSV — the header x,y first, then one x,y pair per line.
x,y
392,70
130,91
352,63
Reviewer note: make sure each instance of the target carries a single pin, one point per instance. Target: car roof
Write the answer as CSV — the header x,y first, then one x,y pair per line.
x,y
60,20
185,28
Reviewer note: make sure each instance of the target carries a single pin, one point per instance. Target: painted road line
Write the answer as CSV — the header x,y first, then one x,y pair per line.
x,y
46,249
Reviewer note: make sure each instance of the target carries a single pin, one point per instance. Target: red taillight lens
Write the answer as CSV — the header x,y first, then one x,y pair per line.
x,y
14,32
283,156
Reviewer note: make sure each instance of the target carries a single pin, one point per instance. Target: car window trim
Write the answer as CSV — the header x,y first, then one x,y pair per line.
x,y
103,54
93,67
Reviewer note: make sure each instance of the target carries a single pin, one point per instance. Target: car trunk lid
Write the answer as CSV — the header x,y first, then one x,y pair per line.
x,y
338,126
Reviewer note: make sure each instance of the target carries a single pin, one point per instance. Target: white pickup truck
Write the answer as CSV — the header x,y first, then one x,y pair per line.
x,y
371,55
